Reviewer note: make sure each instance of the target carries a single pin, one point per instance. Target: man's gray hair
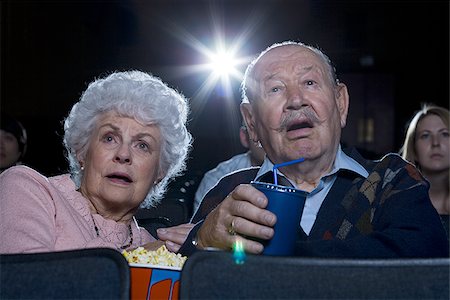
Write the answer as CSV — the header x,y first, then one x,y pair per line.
x,y
246,93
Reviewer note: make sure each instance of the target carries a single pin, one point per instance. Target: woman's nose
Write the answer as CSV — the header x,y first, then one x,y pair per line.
x,y
435,140
123,155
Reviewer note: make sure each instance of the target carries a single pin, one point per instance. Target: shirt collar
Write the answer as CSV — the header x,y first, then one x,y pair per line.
x,y
342,161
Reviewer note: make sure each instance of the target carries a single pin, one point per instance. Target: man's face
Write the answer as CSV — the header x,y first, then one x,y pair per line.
x,y
297,111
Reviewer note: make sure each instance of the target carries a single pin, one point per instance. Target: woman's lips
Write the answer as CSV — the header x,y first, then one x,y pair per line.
x,y
121,178
436,156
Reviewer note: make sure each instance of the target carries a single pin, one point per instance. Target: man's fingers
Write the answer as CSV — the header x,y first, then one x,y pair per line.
x,y
245,227
176,234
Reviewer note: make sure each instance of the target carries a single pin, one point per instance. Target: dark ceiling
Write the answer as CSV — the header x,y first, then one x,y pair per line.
x,y
50,50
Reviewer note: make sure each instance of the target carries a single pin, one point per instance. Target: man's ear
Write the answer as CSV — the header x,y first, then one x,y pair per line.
x,y
243,137
248,116
342,101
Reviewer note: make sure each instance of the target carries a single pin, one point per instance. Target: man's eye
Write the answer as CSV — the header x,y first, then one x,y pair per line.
x,y
310,82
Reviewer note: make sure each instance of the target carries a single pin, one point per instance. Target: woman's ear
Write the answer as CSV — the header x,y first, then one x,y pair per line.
x,y
80,160
161,175
248,116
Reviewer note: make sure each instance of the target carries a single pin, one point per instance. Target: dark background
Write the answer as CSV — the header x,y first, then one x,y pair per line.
x,y
394,55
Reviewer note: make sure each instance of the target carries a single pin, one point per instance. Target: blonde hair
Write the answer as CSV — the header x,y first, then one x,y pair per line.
x,y
408,150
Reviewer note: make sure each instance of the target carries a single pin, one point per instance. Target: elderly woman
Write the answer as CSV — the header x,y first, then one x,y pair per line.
x,y
125,139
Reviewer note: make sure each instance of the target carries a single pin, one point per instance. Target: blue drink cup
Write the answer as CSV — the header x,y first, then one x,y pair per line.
x,y
287,204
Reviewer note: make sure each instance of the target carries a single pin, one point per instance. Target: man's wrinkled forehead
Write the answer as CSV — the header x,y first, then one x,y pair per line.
x,y
277,57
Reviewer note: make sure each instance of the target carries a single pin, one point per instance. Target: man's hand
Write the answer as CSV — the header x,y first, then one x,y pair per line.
x,y
153,246
174,236
241,215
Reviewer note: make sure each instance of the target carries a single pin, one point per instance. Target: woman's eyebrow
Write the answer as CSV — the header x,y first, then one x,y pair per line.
x,y
145,134
109,125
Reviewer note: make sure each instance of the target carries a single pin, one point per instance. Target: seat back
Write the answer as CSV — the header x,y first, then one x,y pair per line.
x,y
77,274
170,212
215,274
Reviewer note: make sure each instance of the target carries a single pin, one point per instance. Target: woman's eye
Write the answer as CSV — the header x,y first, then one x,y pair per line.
x,y
143,146
108,138
274,89
424,136
310,82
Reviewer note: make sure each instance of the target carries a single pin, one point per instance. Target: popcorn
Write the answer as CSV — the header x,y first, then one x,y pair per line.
x,y
160,257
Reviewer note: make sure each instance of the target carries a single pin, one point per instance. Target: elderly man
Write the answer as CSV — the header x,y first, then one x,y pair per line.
x,y
294,105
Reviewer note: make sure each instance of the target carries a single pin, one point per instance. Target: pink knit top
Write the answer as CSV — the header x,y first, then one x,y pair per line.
x,y
40,214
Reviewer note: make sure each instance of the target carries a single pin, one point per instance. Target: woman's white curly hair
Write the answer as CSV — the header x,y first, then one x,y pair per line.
x,y
140,96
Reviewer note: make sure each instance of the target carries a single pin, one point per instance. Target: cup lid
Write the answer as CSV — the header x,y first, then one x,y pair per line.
x,y
279,188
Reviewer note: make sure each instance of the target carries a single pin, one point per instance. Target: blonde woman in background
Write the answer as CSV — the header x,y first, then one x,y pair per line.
x,y
427,146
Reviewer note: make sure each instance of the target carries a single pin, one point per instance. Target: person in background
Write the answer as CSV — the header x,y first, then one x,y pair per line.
x,y
293,103
427,146
253,157
13,142
126,139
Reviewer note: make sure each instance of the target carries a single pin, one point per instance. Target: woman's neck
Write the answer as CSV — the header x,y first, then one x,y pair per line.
x,y
439,191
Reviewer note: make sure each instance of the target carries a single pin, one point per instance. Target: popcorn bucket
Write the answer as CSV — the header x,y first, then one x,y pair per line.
x,y
154,282
154,274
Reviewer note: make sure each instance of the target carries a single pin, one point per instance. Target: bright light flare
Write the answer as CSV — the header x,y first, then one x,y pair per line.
x,y
238,252
222,60
223,64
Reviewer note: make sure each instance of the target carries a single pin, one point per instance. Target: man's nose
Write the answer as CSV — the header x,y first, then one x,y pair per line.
x,y
295,97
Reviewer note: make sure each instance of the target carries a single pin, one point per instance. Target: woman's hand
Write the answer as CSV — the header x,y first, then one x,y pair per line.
x,y
174,236
240,215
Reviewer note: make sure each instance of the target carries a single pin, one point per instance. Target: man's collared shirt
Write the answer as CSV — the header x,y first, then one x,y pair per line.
x,y
316,197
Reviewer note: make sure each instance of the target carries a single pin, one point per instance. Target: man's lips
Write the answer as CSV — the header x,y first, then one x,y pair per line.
x,y
120,177
299,125
298,129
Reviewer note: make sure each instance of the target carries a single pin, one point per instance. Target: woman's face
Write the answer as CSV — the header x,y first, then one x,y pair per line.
x,y
432,144
9,149
121,163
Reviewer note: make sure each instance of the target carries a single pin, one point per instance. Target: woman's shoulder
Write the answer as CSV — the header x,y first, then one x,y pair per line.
x,y
22,172
26,176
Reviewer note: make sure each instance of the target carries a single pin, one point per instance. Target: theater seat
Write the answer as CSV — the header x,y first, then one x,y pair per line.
x,y
170,212
78,274
215,274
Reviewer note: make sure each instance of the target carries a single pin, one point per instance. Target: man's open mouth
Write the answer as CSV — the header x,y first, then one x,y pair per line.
x,y
299,125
